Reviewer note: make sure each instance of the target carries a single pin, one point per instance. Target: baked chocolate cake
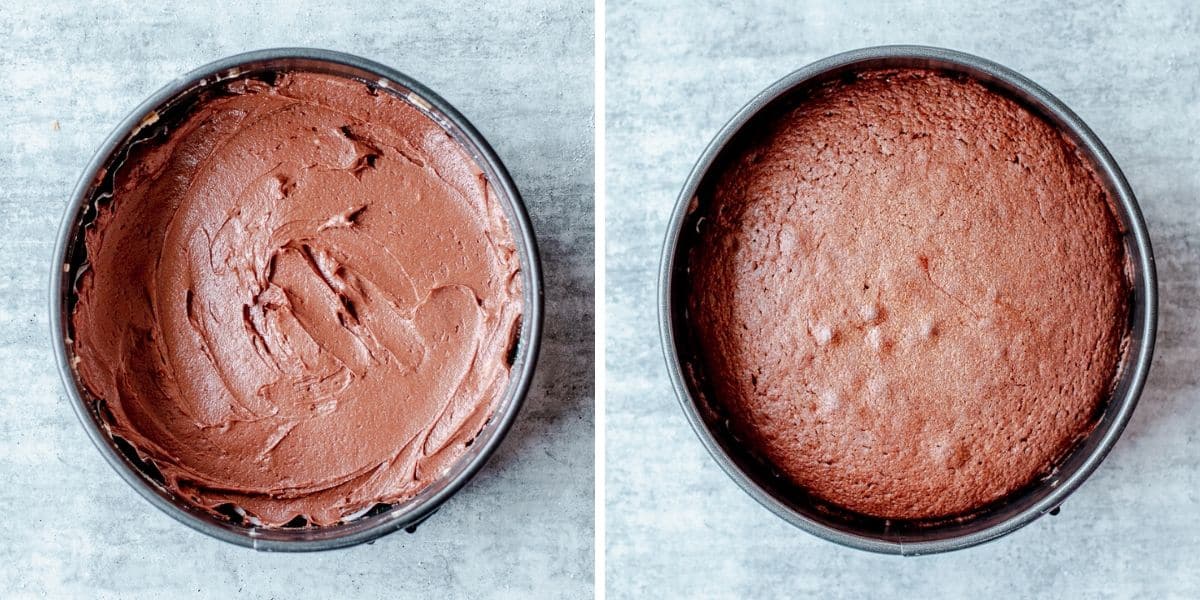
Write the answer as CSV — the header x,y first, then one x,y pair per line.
x,y
907,294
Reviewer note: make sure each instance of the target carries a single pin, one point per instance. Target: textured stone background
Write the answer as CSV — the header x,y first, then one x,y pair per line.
x,y
521,71
676,72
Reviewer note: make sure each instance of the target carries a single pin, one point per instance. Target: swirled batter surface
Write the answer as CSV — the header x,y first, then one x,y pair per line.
x,y
908,294
300,302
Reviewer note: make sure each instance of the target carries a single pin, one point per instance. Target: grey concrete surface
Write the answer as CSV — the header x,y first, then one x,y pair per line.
x,y
521,70
676,525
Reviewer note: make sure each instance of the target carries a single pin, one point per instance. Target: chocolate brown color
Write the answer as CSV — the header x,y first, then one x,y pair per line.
x,y
299,303
907,295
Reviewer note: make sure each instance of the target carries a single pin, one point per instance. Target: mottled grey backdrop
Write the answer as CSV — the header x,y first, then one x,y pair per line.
x,y
676,72
69,72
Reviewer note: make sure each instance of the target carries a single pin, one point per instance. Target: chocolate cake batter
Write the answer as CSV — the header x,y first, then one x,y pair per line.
x,y
908,295
300,303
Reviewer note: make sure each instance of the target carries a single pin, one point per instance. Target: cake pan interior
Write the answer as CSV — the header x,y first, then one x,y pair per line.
x,y
758,477
166,108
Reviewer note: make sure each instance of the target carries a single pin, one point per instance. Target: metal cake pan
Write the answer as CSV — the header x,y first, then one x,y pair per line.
x,y
174,99
1013,512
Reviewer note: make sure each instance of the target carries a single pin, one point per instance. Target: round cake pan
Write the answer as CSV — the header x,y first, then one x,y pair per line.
x,y
170,103
894,537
